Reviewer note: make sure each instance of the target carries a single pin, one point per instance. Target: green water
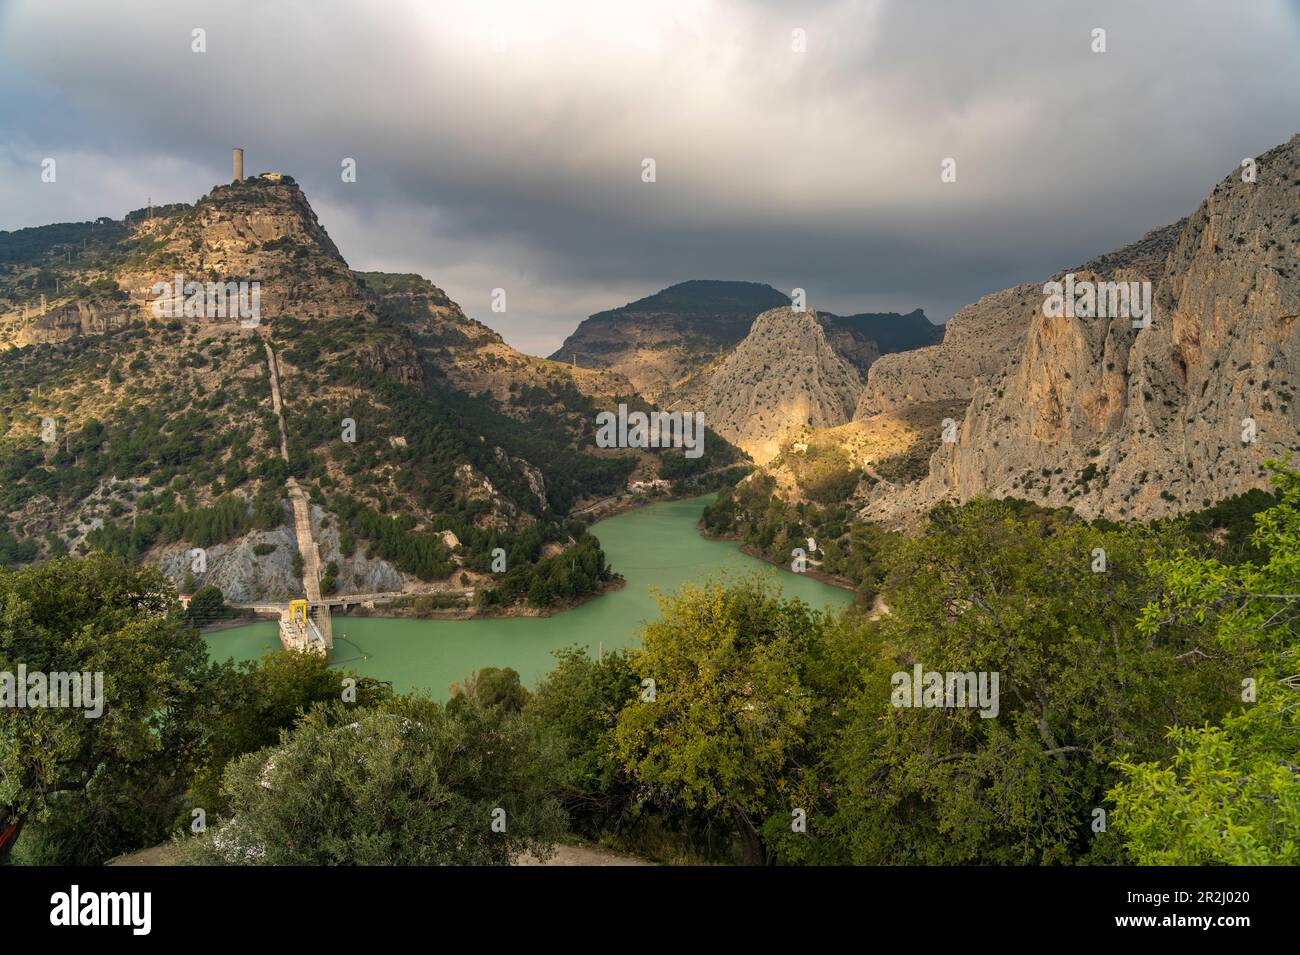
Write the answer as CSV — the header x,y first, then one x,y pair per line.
x,y
655,548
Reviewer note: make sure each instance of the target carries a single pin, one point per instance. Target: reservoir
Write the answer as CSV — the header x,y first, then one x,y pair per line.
x,y
657,548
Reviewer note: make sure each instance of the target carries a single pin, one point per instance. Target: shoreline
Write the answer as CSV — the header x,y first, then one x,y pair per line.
x,y
601,510
230,623
841,583
593,513
386,612
831,580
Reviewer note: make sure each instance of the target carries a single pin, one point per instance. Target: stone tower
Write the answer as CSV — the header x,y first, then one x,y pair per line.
x,y
237,163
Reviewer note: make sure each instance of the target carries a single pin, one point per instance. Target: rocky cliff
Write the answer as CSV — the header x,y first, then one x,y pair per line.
x,y
977,341
261,229
782,378
1140,422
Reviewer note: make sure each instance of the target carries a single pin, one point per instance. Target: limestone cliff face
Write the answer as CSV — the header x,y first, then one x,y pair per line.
x,y
70,319
1138,423
851,345
977,341
783,377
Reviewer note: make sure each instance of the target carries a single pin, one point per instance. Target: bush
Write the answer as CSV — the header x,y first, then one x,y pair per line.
x,y
410,783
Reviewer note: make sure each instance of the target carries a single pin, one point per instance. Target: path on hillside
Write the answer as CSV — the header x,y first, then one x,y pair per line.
x,y
274,367
581,855
297,497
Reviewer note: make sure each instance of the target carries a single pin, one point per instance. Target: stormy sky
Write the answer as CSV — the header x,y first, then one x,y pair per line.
x,y
501,144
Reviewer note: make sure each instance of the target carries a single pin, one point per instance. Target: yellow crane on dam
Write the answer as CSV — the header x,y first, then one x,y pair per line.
x,y
306,630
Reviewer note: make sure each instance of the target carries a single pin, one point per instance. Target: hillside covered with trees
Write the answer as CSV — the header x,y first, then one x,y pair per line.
x,y
422,440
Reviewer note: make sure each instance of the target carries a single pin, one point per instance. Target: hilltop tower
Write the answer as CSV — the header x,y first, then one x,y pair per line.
x,y
237,163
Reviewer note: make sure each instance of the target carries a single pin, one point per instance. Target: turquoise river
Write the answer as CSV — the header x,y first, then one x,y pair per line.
x,y
657,548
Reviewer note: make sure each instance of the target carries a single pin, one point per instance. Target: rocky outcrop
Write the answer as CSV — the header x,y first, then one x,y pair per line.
x,y
1128,422
261,229
863,338
783,377
851,345
243,575
73,318
977,342
357,572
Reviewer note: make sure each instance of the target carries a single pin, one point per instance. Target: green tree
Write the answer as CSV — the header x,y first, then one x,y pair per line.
x,y
578,703
248,706
96,785
1230,794
495,687
207,604
983,590
411,783
724,734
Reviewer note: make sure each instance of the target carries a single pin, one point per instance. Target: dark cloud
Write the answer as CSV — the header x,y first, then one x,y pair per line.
x,y
500,144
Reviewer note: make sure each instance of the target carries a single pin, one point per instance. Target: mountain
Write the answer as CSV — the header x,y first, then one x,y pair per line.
x,y
669,344
780,380
658,341
1124,422
421,439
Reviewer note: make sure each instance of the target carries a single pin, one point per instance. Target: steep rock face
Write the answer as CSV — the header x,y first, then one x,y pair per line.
x,y
1138,423
858,339
977,341
783,377
260,229
70,319
850,344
